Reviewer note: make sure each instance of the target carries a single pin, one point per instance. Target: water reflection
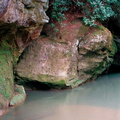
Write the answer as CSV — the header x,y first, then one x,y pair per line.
x,y
97,100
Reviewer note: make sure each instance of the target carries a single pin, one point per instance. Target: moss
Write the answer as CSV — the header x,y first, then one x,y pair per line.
x,y
57,84
98,70
98,32
35,84
17,99
75,82
6,71
61,82
82,31
114,49
19,89
7,32
52,81
100,27
19,95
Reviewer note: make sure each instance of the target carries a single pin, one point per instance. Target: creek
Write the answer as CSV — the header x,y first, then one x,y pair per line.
x,y
96,100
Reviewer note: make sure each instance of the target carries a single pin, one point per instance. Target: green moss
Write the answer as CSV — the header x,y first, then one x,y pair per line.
x,y
6,71
19,95
98,32
19,89
52,80
61,82
8,40
82,31
57,84
74,82
32,83
114,49
17,99
98,70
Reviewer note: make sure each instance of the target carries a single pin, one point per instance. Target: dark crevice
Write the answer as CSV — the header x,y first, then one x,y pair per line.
x,y
113,26
115,67
78,51
36,85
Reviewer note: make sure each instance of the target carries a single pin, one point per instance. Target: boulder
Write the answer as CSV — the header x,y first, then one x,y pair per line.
x,y
96,52
19,95
68,57
21,22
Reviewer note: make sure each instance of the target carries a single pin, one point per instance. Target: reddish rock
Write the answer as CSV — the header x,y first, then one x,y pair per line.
x,y
68,57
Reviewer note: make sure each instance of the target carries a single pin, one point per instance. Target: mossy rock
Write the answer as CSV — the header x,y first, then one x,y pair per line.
x,y
6,74
19,95
77,54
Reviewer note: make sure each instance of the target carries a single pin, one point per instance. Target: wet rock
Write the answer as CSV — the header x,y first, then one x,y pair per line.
x,y
19,95
69,57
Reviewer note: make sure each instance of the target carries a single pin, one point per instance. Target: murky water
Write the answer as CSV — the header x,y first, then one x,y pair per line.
x,y
97,100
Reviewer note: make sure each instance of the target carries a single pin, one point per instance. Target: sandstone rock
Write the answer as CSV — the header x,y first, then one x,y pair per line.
x,y
21,22
26,22
68,57
47,61
27,2
19,95
96,51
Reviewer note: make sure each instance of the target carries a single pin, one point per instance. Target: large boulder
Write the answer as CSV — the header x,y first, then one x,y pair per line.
x,y
68,57
96,51
21,21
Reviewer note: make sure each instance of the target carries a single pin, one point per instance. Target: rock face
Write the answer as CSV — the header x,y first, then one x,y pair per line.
x,y
6,76
48,61
19,95
68,57
27,17
21,21
96,52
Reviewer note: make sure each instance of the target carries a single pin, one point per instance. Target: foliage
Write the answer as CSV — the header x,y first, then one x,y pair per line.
x,y
92,10
59,6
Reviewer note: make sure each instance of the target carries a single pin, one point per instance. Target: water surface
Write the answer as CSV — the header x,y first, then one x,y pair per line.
x,y
97,100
